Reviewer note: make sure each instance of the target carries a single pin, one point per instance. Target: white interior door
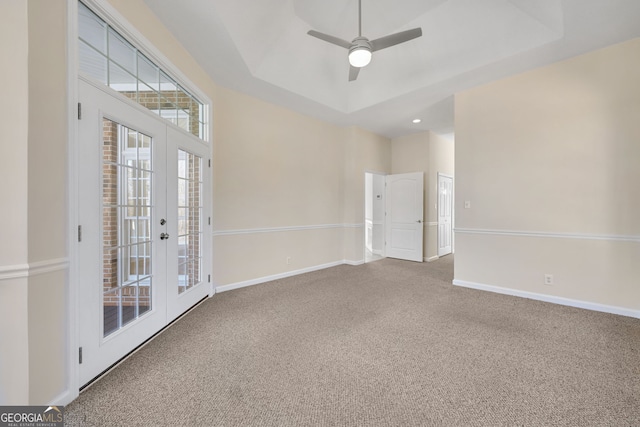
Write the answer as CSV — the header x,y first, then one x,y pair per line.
x,y
404,220
445,214
142,254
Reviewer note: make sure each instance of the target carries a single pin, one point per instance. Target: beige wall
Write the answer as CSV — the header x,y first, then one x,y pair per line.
x,y
14,48
553,151
47,199
432,154
33,346
273,168
14,110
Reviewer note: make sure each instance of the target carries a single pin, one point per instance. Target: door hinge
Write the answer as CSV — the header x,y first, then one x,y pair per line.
x,y
209,220
80,355
79,233
209,279
209,162
79,111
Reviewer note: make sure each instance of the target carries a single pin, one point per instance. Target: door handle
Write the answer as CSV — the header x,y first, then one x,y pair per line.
x,y
419,221
164,236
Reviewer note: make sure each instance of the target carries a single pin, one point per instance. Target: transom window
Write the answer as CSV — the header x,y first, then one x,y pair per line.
x,y
106,56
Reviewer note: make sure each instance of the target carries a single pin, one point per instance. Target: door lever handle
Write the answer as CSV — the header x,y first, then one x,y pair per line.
x,y
419,221
164,236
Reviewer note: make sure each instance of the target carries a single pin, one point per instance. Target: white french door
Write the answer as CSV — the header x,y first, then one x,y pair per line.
x,y
186,262
142,251
404,221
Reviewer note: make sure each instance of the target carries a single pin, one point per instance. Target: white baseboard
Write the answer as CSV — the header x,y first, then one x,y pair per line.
x,y
433,258
550,298
63,399
265,279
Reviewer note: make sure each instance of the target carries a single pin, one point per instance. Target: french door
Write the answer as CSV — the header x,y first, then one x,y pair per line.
x,y
143,255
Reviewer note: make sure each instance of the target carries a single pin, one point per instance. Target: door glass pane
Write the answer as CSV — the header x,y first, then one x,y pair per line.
x,y
92,63
123,81
148,72
91,29
126,225
189,220
122,52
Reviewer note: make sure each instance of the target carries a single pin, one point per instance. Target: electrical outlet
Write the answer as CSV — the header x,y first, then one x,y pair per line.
x,y
467,204
548,279
288,260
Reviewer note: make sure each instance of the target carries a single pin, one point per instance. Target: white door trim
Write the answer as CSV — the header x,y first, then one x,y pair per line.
x,y
73,331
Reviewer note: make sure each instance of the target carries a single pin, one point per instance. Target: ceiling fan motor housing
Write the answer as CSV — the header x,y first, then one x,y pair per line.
x,y
360,52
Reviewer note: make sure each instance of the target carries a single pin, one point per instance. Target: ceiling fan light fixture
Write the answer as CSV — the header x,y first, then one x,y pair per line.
x,y
360,57
360,49
360,52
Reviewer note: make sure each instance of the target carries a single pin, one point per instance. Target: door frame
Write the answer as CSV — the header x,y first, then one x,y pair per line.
x,y
114,18
444,175
364,210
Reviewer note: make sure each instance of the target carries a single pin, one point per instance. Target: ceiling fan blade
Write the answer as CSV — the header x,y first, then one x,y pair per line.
x,y
353,73
394,39
331,39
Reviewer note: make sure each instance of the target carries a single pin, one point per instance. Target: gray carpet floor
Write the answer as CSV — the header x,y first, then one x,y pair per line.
x,y
390,343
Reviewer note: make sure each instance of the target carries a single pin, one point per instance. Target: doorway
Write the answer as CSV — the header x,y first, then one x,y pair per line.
x,y
374,209
445,214
142,254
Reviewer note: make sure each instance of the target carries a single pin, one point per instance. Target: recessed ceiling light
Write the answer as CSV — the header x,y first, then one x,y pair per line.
x,y
416,121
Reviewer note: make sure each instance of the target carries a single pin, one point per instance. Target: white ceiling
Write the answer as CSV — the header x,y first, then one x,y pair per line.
x,y
260,47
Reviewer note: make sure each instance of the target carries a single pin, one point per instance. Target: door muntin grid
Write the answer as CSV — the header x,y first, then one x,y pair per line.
x,y
105,56
127,178
190,207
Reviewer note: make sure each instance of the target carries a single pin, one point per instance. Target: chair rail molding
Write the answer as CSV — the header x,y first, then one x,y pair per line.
x,y
17,271
545,234
286,228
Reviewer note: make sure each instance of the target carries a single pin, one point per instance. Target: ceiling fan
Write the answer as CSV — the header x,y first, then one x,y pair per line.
x,y
360,49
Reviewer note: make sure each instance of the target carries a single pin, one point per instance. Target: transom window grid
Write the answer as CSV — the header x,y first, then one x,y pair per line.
x,y
189,220
127,203
106,56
